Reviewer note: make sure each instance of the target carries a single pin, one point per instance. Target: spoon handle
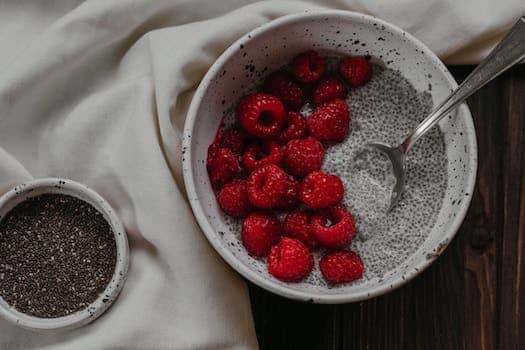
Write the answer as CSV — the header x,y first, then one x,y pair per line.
x,y
508,52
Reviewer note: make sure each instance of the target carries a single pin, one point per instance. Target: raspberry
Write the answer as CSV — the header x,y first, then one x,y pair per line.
x,y
319,190
330,122
233,139
281,85
295,128
341,267
334,227
289,199
355,70
290,260
257,155
297,225
301,157
259,232
222,164
308,67
233,199
261,115
266,185
327,90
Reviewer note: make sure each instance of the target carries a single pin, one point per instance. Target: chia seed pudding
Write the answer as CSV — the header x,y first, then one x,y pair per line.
x,y
385,109
57,255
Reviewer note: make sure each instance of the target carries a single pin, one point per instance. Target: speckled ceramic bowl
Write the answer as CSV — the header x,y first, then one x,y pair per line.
x,y
35,188
243,65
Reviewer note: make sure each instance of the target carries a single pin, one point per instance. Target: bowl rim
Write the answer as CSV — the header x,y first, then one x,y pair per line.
x,y
112,290
211,233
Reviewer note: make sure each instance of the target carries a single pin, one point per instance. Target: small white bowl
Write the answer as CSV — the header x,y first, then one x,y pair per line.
x,y
243,65
35,188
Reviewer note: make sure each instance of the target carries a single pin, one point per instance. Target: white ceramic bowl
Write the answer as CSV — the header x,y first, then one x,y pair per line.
x,y
265,49
56,185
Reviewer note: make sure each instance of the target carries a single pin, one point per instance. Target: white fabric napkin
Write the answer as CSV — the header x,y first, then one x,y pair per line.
x,y
97,91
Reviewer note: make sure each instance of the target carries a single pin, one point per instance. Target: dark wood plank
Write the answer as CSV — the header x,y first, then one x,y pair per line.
x,y
285,324
511,297
473,296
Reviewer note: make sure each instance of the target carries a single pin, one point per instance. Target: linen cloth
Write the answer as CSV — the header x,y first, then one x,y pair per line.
x,y
97,91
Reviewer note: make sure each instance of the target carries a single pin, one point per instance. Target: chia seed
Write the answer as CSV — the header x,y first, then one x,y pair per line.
x,y
57,255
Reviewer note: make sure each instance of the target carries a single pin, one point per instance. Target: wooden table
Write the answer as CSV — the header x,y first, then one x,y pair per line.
x,y
473,296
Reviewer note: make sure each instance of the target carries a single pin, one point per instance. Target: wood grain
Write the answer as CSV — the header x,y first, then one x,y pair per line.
x,y
511,273
473,296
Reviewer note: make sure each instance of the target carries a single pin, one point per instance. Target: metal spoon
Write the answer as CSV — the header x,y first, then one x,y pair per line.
x,y
508,52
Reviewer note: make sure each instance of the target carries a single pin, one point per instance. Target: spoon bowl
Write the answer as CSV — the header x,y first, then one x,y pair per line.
x,y
397,158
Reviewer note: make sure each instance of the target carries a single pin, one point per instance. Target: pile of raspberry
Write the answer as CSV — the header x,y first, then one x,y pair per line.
x,y
269,162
